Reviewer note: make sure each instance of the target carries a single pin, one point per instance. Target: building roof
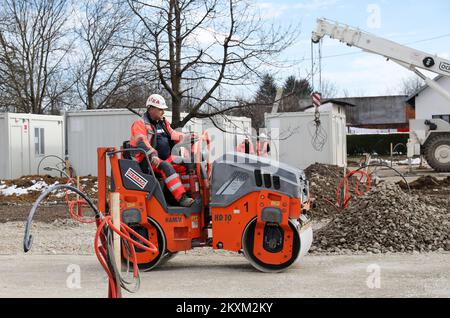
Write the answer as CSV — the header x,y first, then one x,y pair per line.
x,y
339,102
333,101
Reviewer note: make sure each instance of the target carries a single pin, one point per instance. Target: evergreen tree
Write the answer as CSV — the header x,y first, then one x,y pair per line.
x,y
267,90
300,88
293,90
263,101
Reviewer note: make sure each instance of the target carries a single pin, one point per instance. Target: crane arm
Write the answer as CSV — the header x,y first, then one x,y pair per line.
x,y
407,57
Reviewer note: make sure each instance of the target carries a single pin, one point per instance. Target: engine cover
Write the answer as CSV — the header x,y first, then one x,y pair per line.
x,y
237,174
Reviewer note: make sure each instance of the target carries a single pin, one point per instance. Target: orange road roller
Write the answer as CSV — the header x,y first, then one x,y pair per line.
x,y
244,203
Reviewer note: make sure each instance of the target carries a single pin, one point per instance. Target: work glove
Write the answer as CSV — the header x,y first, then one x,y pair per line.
x,y
155,161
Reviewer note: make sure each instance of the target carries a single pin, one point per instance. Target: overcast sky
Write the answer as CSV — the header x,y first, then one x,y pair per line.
x,y
412,22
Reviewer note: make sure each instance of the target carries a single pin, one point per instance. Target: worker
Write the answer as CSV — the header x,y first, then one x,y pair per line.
x,y
246,146
262,146
153,134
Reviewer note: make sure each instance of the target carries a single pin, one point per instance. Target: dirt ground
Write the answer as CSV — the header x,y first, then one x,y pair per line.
x,y
19,213
27,189
230,276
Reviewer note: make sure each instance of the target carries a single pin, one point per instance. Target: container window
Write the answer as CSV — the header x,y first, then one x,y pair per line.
x,y
443,117
39,142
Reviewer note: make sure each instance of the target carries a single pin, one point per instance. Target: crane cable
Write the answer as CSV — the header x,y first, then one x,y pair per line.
x,y
317,132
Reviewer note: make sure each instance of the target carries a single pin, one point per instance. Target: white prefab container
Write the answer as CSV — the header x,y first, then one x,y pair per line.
x,y
292,138
25,139
90,129
226,133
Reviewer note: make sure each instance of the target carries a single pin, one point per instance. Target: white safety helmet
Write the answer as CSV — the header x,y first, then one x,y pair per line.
x,y
263,136
157,101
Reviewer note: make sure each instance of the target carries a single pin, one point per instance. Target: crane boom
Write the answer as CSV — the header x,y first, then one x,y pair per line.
x,y
407,57
430,137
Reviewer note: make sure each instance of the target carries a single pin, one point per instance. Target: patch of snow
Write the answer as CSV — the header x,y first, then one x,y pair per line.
x,y
379,161
40,185
60,194
414,162
13,190
37,186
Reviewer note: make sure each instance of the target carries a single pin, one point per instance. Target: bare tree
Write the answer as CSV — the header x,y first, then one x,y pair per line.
x,y
32,52
133,95
262,102
346,93
210,44
411,85
329,89
106,67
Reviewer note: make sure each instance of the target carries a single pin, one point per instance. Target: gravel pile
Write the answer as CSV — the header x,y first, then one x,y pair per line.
x,y
323,180
387,220
426,182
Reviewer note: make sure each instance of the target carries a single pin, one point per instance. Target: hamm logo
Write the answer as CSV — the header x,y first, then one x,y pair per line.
x,y
136,178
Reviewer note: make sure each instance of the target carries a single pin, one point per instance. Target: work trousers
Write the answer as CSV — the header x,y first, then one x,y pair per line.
x,y
175,177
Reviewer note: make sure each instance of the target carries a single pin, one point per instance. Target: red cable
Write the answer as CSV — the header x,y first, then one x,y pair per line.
x,y
77,202
343,202
99,247
101,256
124,233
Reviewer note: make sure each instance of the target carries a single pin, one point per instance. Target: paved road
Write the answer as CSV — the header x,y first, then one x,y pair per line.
x,y
230,276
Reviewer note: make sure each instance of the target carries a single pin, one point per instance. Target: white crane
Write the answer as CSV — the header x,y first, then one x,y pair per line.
x,y
428,137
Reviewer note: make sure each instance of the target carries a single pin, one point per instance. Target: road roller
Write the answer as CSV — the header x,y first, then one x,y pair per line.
x,y
243,203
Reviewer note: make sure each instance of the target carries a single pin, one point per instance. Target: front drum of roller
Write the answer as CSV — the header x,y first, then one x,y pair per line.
x,y
297,251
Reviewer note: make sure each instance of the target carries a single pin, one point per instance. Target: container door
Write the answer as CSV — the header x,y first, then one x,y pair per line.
x,y
16,147
341,141
338,139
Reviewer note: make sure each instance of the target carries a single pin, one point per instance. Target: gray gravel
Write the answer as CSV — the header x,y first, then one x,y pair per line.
x,y
386,220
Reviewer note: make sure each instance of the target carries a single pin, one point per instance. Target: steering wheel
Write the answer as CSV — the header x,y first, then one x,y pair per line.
x,y
198,153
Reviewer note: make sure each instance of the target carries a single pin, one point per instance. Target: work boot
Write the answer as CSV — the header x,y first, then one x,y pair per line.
x,y
186,201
